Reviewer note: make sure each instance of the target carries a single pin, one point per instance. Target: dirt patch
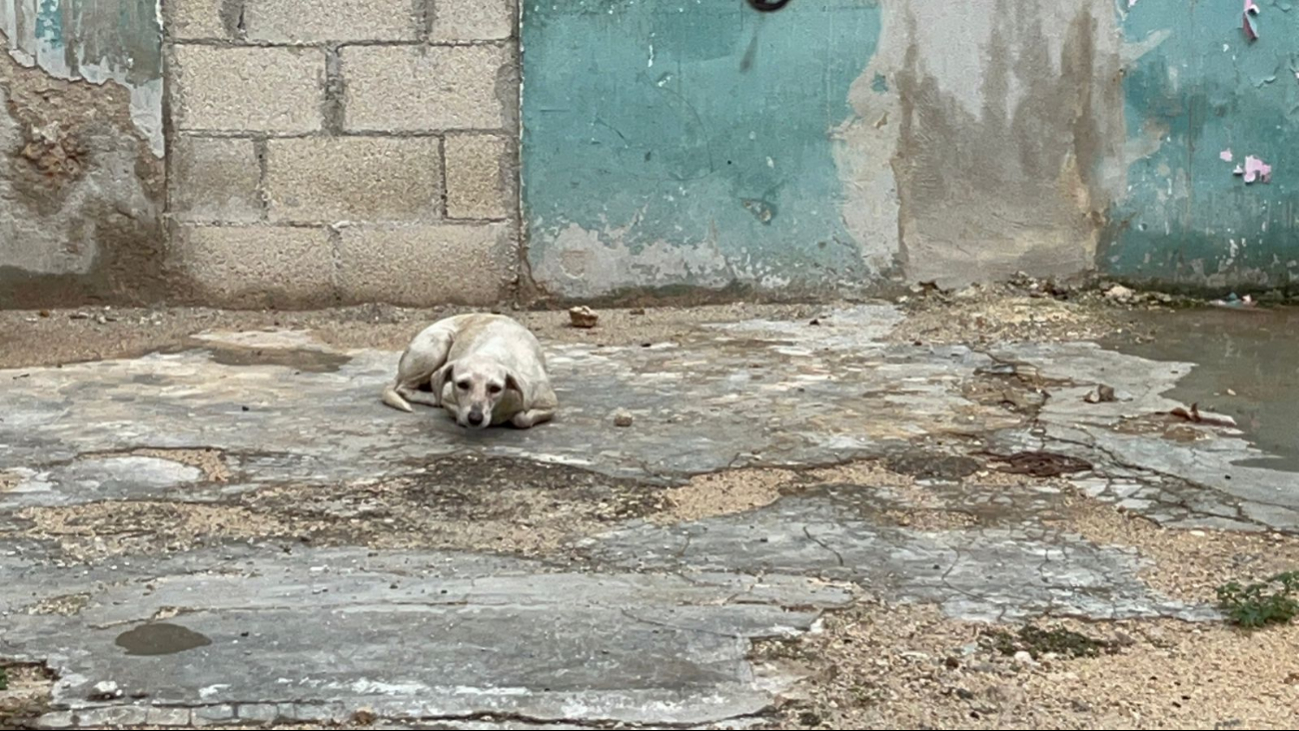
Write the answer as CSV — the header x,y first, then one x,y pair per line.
x,y
25,691
723,493
49,337
1167,426
66,605
866,473
97,530
466,503
931,520
1188,564
1039,464
893,667
985,315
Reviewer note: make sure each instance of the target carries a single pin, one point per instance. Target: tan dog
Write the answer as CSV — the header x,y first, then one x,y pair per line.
x,y
487,369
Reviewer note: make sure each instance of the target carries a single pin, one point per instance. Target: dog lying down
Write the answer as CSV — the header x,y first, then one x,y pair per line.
x,y
486,369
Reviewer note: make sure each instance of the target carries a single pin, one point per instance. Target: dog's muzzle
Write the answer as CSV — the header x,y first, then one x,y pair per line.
x,y
474,417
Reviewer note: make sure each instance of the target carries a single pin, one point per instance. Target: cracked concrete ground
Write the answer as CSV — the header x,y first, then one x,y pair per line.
x,y
820,517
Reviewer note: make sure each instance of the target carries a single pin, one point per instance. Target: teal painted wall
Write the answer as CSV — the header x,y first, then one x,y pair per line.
x,y
1200,89
689,142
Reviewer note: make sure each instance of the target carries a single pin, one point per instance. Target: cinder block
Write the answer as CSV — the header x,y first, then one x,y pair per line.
x,y
111,717
330,179
470,264
480,176
164,716
187,20
214,179
319,21
473,20
427,88
255,266
214,713
258,712
269,90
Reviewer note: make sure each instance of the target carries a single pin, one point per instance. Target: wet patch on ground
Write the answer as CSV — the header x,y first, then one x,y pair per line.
x,y
1247,366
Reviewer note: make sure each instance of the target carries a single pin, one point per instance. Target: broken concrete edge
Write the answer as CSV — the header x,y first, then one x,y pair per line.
x,y
260,714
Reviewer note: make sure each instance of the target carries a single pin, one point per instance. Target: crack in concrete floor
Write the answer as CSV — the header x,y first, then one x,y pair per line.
x,y
338,556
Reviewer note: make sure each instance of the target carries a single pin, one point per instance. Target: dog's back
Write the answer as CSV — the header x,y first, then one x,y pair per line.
x,y
499,336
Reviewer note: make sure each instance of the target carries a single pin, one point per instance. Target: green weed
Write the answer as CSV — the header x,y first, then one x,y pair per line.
x,y
1261,603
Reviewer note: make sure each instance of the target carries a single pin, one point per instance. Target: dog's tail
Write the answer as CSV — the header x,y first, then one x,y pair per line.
x,y
394,399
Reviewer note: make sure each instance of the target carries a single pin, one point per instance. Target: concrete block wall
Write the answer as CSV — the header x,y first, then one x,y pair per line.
x,y
339,151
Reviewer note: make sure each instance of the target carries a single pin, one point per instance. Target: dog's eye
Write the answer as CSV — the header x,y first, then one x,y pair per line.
x,y
464,385
494,388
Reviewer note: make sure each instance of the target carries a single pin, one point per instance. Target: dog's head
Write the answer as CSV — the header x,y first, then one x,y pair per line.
x,y
479,385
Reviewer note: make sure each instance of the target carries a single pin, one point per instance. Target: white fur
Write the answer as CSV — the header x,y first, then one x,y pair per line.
x,y
461,359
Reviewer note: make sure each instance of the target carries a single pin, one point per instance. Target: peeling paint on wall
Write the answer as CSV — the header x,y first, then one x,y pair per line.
x,y
118,41
825,144
718,163
1204,90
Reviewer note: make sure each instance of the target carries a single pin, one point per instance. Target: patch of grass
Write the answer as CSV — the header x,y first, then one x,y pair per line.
x,y
1261,603
4,679
1039,642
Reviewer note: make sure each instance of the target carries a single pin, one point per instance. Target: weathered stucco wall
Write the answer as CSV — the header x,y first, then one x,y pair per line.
x,y
1197,91
690,143
832,144
81,145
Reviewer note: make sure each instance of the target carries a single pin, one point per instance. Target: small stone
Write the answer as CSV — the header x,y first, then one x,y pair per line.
x,y
1119,293
637,311
105,690
1102,395
622,417
583,317
1023,657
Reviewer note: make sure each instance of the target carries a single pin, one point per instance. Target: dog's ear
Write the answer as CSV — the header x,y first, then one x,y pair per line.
x,y
512,383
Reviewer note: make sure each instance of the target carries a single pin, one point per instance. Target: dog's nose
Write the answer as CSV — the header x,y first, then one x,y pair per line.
x,y
475,418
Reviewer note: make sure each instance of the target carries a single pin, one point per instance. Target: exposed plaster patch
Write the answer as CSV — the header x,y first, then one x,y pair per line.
x,y
1035,83
863,148
105,44
583,263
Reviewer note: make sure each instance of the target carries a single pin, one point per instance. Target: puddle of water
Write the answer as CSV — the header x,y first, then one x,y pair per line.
x,y
160,638
1247,367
